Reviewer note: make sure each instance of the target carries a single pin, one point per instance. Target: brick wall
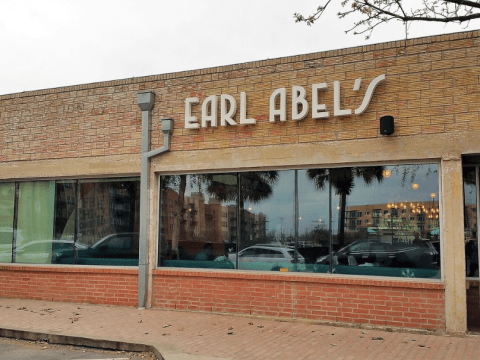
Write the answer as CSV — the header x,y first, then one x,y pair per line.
x,y
70,284
431,86
379,302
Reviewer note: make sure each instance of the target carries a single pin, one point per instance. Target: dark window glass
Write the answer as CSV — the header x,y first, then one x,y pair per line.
x,y
283,221
108,222
61,222
65,222
192,233
410,242
470,219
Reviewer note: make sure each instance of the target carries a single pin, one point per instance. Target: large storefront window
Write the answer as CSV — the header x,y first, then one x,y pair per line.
x,y
383,220
88,222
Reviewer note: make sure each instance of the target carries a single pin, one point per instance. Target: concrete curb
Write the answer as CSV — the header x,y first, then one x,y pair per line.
x,y
62,339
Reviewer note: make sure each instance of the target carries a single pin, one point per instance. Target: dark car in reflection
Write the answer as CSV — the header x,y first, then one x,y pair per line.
x,y
402,254
113,249
122,245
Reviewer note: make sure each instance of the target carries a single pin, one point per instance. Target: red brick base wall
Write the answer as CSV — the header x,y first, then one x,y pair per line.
x,y
395,303
384,302
70,284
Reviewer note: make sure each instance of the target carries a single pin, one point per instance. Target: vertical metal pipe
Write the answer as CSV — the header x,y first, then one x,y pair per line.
x,y
146,102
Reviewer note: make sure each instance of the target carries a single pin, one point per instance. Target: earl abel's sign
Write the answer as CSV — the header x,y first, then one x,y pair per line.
x,y
278,105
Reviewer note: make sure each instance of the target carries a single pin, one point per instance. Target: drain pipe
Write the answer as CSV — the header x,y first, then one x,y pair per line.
x,y
146,101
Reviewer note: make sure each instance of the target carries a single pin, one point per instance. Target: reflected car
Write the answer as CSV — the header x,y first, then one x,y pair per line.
x,y
413,254
122,245
267,254
113,249
41,251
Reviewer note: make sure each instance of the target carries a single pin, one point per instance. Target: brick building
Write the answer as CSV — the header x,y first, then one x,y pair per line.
x,y
277,142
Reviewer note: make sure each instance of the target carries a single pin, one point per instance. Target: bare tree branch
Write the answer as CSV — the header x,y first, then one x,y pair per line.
x,y
377,12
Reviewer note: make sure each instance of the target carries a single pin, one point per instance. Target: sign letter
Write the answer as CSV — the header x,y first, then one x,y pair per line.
x,y
227,117
336,101
369,94
318,109
243,111
212,118
298,98
282,111
190,121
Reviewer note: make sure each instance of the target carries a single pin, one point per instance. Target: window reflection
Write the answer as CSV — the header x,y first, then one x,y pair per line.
x,y
384,218
108,222
268,223
35,223
199,220
88,222
391,221
470,219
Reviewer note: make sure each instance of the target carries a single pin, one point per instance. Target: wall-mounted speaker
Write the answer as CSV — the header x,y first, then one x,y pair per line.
x,y
386,125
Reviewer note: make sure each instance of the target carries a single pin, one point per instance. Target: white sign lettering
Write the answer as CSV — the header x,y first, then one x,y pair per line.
x,y
278,105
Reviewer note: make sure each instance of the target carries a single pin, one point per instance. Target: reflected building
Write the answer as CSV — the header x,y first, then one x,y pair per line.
x,y
422,217
213,222
107,208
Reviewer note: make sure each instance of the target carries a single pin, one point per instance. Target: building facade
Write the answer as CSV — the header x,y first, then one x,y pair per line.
x,y
269,169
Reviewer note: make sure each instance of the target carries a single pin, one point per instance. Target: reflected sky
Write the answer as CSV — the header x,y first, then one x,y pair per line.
x,y
279,208
313,203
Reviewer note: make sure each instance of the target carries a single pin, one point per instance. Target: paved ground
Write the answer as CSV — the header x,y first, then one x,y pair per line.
x,y
12,349
200,336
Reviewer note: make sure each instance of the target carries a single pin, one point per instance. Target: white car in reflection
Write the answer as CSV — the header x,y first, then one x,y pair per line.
x,y
267,254
39,251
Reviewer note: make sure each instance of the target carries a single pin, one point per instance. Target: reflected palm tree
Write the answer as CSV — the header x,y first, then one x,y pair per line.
x,y
343,182
255,186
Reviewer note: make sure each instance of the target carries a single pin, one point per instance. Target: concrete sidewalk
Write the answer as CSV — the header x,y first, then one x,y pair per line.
x,y
176,335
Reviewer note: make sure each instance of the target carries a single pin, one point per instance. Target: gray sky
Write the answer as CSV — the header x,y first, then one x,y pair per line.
x,y
48,43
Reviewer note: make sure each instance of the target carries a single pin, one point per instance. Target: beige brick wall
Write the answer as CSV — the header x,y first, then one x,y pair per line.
x,y
431,87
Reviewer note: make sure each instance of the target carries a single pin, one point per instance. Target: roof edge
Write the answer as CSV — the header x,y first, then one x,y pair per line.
x,y
251,64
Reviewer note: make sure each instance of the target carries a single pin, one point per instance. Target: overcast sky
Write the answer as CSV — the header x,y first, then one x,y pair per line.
x,y
48,43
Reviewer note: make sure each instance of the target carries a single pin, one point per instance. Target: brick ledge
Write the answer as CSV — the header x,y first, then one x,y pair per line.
x,y
306,278
70,269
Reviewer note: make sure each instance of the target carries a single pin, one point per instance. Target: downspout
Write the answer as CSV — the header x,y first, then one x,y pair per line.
x,y
146,101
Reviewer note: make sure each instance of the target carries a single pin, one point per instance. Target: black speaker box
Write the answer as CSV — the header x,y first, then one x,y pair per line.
x,y
386,125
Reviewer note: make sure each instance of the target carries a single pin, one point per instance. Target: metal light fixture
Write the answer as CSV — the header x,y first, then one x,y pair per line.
x,y
387,125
